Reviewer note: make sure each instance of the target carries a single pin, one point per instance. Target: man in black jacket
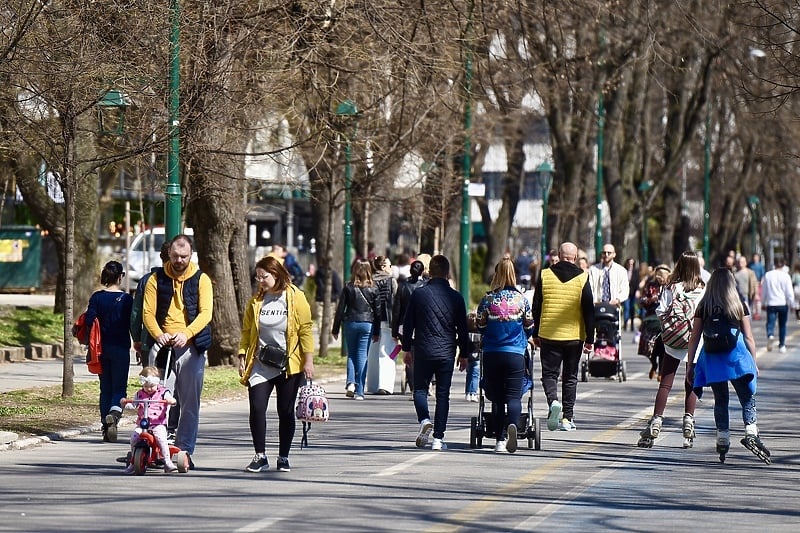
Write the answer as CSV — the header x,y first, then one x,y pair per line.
x,y
434,324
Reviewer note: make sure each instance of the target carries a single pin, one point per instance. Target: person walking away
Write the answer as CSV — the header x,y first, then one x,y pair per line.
x,y
320,280
683,285
381,368
434,325
405,288
155,413
563,316
609,280
358,315
505,320
633,292
651,325
777,296
177,310
112,308
746,281
736,364
279,315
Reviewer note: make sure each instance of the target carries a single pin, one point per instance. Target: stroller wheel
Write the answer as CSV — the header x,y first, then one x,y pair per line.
x,y
473,432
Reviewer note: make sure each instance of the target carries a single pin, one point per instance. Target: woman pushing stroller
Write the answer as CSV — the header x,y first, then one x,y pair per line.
x,y
504,318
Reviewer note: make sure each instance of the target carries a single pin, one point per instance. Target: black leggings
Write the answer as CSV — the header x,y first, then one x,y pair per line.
x,y
286,396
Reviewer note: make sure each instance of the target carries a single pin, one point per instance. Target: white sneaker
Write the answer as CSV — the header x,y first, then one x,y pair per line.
x,y
554,415
500,447
473,398
511,441
438,445
782,349
425,429
567,425
350,390
770,343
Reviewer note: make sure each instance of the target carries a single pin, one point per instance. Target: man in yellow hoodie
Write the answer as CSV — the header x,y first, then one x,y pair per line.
x,y
563,315
178,302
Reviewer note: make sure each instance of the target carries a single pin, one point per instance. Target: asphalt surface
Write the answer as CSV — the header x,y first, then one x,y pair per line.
x,y
362,471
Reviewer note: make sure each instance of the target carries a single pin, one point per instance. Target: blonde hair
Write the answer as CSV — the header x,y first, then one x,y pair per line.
x,y
504,275
362,274
721,292
150,371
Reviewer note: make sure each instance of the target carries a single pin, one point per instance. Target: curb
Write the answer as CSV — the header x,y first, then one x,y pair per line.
x,y
39,440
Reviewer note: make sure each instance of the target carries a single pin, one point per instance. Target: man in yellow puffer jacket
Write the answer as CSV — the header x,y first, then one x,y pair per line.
x,y
563,314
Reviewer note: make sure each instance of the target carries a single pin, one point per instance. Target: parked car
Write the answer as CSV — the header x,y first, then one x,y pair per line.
x,y
144,252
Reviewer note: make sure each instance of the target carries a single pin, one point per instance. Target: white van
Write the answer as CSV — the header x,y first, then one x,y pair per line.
x,y
145,252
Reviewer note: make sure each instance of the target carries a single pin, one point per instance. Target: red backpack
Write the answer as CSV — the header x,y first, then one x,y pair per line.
x,y
90,337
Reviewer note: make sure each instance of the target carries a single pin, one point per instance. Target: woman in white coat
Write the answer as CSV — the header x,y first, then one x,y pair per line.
x,y
381,368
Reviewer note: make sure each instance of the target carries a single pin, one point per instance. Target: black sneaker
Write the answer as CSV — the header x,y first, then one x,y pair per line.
x,y
283,464
191,463
171,438
258,463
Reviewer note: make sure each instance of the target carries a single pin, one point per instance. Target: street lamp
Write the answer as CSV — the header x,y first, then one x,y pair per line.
x,y
752,203
347,109
643,188
172,194
545,177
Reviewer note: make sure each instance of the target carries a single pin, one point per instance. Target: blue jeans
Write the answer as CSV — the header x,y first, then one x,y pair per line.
x,y
630,311
357,336
424,370
781,312
503,373
473,377
115,362
721,399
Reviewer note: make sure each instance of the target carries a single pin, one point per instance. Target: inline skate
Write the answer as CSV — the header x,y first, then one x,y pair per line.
x,y
649,434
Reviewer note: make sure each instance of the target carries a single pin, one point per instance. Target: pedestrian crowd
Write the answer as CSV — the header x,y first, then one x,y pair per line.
x,y
550,308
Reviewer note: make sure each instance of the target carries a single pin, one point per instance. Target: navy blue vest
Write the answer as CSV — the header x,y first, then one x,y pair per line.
x,y
191,298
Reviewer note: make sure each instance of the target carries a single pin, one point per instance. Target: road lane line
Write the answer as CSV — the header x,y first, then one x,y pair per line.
x,y
405,465
259,525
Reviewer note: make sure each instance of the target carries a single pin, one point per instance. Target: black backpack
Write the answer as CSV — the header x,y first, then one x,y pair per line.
x,y
717,334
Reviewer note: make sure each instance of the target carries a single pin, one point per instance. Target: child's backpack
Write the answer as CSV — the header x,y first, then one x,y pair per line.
x,y
89,336
676,322
718,335
312,406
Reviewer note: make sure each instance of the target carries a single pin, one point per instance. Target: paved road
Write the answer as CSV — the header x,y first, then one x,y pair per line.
x,y
363,473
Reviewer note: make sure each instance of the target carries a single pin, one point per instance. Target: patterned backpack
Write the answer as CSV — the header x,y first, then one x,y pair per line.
x,y
312,406
676,322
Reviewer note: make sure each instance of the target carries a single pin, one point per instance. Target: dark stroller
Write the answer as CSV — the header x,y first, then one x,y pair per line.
x,y
605,360
528,427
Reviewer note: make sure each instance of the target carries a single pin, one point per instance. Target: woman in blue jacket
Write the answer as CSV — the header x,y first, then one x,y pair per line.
x,y
504,318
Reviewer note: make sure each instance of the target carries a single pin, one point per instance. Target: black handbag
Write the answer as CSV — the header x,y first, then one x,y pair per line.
x,y
274,356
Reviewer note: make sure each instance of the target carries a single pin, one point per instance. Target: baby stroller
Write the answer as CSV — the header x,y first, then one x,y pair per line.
x,y
605,360
528,427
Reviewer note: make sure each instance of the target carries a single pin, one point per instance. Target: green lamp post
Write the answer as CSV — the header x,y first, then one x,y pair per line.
x,y
173,193
545,177
348,110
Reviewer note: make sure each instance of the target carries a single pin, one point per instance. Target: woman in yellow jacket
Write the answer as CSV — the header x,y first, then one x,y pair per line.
x,y
278,315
